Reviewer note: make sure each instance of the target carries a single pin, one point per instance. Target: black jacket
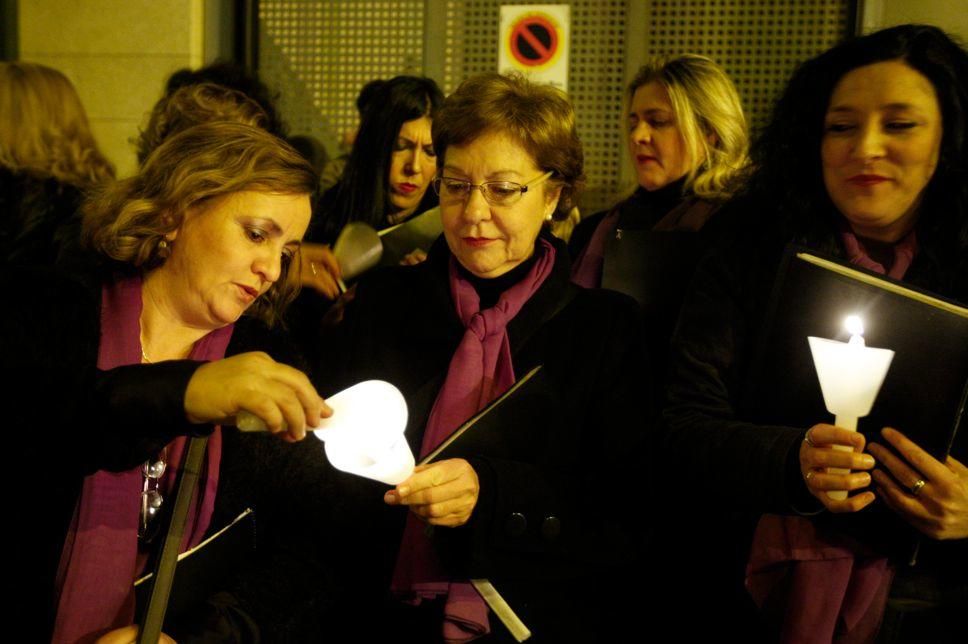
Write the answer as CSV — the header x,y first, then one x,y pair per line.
x,y
730,463
553,526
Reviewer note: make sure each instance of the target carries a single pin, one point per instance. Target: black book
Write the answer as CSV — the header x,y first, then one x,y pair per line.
x,y
201,569
925,390
486,432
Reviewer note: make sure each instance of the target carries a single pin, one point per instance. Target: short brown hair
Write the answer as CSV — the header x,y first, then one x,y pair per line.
x,y
195,104
126,221
540,118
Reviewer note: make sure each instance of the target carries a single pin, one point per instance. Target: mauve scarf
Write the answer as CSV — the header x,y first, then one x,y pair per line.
x,y
588,266
480,371
830,590
100,559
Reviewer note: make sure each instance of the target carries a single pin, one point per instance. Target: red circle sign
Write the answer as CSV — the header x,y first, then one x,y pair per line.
x,y
534,41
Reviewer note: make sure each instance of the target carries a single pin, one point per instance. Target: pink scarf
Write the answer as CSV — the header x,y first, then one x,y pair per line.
x,y
588,266
904,251
830,589
480,371
100,559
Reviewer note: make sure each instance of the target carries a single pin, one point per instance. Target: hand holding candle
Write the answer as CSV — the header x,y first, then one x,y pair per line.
x,y
850,376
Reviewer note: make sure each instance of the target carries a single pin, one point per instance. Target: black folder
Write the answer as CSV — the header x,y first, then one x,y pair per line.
x,y
925,391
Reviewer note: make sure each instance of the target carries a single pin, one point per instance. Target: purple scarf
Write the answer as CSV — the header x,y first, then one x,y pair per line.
x,y
831,590
100,559
904,251
480,371
587,270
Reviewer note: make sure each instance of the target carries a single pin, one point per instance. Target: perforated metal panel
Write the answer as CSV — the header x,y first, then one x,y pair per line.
x,y
595,79
758,42
318,54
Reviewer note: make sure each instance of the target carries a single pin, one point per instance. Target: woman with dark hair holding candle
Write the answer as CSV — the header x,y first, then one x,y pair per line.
x,y
864,159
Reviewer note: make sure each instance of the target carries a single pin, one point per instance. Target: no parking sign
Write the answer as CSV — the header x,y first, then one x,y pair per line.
x,y
534,40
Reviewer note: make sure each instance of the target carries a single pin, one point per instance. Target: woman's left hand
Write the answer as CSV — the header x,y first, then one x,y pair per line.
x,y
936,499
319,270
443,493
414,257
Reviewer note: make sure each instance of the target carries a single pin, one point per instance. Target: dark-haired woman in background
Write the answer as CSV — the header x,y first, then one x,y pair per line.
x,y
387,177
864,159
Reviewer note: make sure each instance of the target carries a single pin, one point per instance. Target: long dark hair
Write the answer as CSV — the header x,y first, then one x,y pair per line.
x,y
363,193
788,181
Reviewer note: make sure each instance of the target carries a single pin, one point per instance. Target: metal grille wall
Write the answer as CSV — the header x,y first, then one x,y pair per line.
x,y
758,42
596,76
318,54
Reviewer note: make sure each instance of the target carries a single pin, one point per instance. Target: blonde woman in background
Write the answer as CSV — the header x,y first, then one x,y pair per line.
x,y
48,159
687,138
688,141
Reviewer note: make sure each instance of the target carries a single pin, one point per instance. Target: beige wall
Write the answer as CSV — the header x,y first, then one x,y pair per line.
x,y
118,53
950,15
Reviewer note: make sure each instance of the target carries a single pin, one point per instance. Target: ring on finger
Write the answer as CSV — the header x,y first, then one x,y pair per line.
x,y
916,488
806,439
312,267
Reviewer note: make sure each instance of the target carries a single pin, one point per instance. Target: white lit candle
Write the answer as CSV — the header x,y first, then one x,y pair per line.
x,y
855,327
851,375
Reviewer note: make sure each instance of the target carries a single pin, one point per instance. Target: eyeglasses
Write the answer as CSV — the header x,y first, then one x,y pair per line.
x,y
151,499
496,193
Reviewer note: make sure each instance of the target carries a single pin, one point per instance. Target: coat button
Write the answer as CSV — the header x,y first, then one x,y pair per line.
x,y
551,528
516,525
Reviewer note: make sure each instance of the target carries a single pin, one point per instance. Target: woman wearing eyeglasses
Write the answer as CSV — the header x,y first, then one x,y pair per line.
x,y
538,499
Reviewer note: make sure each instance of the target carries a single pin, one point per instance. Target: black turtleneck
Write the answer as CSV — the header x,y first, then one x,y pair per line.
x,y
489,290
645,208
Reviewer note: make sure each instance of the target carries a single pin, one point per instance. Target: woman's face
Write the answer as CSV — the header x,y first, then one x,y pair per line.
x,y
882,138
412,165
659,151
491,240
229,251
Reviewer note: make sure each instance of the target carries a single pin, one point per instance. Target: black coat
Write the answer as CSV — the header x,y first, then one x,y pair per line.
x,y
550,530
733,464
38,218
68,420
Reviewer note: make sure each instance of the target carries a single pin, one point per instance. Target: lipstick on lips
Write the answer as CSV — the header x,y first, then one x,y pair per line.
x,y
477,242
867,180
407,188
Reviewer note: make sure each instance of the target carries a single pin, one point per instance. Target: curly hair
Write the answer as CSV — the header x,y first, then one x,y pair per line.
x,y
538,117
194,104
709,116
127,220
44,130
788,178
241,79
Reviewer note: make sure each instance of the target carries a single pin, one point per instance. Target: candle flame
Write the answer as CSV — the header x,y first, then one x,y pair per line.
x,y
855,326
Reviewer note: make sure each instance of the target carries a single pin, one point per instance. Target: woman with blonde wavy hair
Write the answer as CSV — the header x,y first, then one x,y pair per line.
x,y
688,141
202,235
48,158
